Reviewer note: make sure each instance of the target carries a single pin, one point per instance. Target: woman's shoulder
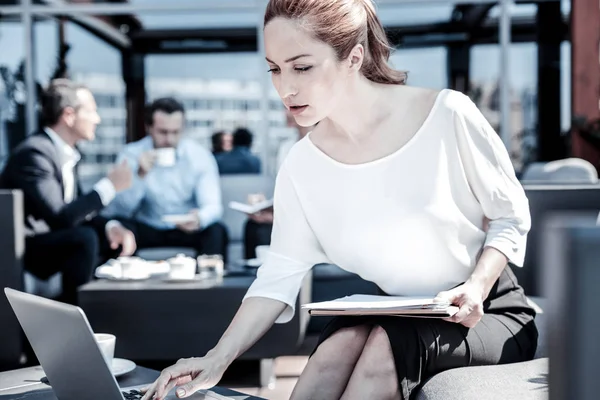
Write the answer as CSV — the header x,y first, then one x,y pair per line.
x,y
456,101
298,152
448,98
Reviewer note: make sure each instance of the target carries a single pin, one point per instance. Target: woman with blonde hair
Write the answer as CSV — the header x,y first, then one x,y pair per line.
x,y
394,184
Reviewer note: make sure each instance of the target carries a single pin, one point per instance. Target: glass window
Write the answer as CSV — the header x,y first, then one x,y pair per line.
x,y
485,92
218,85
565,86
47,60
97,64
426,67
12,85
410,14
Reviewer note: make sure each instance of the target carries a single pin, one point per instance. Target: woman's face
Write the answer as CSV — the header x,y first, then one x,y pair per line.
x,y
305,71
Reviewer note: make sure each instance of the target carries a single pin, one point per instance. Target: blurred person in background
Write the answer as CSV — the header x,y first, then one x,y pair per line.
x,y
222,142
174,176
240,159
393,185
64,232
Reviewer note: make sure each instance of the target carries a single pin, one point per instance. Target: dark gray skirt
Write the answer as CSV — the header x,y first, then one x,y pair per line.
x,y
423,347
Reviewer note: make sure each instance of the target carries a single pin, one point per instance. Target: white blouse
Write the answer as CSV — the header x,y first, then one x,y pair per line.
x,y
411,222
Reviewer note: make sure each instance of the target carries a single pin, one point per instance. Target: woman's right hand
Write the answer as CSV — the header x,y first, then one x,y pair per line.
x,y
190,375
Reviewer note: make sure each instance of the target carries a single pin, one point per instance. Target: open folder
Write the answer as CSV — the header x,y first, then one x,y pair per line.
x,y
251,208
362,304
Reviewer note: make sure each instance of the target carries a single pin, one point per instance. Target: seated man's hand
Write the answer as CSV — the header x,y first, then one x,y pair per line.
x,y
117,236
191,226
121,176
146,162
255,198
262,217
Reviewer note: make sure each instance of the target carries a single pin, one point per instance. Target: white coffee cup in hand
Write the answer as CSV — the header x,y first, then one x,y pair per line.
x,y
121,176
165,157
106,343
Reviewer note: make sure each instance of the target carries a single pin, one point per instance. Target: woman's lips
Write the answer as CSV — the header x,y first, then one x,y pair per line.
x,y
297,110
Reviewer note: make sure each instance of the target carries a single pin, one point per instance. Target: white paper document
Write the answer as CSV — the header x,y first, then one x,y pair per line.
x,y
251,208
361,304
179,218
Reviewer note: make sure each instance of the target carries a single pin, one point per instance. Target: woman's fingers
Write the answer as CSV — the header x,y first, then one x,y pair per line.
x,y
175,372
201,382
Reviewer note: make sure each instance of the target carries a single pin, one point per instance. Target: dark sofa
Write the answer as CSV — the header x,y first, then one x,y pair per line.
x,y
522,380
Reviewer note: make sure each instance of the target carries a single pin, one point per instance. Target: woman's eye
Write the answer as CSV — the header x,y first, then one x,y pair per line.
x,y
302,69
273,70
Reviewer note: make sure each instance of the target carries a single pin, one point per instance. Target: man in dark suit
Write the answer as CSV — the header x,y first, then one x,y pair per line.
x,y
240,160
64,232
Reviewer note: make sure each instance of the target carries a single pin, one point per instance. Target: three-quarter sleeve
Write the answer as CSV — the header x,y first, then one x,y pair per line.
x,y
492,179
293,251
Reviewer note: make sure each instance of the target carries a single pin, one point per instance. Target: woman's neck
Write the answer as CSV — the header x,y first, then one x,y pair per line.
x,y
361,110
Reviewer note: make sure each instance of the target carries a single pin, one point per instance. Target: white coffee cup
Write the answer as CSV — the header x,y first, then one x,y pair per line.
x,y
132,268
165,157
261,252
182,267
106,343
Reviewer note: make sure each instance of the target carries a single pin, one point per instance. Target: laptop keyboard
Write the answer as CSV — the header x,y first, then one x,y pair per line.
x,y
133,395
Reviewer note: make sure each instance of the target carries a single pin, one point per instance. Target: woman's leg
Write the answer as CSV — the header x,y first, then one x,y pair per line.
x,y
374,376
421,348
328,370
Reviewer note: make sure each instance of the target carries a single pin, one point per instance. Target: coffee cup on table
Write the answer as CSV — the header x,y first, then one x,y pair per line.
x,y
132,268
106,343
182,267
165,157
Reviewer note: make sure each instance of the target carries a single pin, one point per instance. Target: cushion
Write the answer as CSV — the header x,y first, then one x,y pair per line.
x,y
523,381
164,253
331,271
237,188
574,170
541,322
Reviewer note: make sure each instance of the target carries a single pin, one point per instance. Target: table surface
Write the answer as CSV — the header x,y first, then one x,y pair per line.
x,y
242,281
24,384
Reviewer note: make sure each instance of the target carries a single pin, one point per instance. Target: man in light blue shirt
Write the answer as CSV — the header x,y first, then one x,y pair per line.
x,y
175,198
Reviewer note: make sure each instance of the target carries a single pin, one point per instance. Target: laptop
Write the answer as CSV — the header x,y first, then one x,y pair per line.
x,y
64,343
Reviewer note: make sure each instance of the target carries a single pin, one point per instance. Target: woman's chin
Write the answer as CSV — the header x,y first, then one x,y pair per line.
x,y
306,121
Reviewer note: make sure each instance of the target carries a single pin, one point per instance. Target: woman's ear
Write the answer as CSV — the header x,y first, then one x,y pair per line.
x,y
356,58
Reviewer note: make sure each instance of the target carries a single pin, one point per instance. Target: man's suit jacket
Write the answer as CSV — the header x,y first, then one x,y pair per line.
x,y
35,168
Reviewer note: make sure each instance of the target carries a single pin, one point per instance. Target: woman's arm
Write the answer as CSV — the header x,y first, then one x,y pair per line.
x,y
469,296
487,271
253,319
492,179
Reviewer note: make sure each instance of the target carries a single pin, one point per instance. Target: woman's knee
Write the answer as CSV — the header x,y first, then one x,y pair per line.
x,y
377,359
343,341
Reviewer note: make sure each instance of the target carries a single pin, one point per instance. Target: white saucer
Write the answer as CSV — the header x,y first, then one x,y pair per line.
x,y
121,366
180,280
253,263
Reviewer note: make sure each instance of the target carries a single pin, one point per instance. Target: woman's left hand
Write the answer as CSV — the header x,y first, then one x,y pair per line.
x,y
468,297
